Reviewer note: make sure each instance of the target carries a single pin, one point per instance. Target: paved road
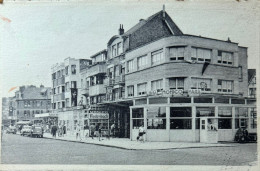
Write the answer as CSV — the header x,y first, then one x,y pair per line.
x,y
25,150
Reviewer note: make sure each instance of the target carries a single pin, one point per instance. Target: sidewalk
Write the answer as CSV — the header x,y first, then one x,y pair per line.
x,y
125,143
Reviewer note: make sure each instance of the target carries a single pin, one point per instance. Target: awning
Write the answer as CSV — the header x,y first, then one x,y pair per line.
x,y
44,115
23,122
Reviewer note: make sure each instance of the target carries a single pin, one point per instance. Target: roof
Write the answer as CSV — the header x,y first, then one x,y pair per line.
x,y
142,22
33,92
98,53
251,74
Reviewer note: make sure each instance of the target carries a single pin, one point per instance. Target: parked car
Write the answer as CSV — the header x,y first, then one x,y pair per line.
x,y
26,130
37,131
11,130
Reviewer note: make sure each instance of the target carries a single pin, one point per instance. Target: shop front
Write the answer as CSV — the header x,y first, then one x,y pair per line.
x,y
190,119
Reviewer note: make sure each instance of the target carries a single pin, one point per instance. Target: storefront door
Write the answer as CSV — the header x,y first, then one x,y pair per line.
x,y
203,129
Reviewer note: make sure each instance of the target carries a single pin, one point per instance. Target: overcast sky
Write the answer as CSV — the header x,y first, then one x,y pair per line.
x,y
34,36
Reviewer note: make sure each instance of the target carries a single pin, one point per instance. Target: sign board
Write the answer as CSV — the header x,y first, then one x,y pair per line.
x,y
194,92
166,93
98,116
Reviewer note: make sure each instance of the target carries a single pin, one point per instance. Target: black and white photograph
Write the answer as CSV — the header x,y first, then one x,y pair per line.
x,y
129,85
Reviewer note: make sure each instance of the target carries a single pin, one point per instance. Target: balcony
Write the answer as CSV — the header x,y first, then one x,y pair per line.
x,y
59,81
58,97
120,79
109,82
96,69
97,89
85,91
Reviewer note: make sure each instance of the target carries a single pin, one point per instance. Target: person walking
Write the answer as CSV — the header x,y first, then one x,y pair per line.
x,y
99,132
92,130
141,133
113,130
85,131
96,130
54,130
78,132
64,130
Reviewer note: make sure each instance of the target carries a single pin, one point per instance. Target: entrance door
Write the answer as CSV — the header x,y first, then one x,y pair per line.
x,y
203,129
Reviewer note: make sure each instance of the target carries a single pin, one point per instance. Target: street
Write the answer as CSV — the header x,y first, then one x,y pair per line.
x,y
17,149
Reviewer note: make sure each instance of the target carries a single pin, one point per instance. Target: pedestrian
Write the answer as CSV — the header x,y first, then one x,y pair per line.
x,y
92,130
54,130
78,132
85,131
64,130
113,130
99,132
141,134
96,130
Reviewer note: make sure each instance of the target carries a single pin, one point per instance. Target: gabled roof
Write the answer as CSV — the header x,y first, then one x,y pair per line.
x,y
172,26
251,74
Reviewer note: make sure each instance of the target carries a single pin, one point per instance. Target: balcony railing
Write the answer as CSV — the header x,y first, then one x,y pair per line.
x,y
85,91
59,81
120,79
109,82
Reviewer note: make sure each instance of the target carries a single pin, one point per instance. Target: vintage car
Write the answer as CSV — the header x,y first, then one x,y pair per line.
x,y
11,130
26,130
37,131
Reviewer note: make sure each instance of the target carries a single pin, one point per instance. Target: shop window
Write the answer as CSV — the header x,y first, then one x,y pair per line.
x,y
141,62
202,100
137,113
130,91
180,100
205,111
222,100
176,83
237,101
141,89
180,118
201,55
176,53
225,86
73,69
157,57
156,118
241,117
137,117
197,122
203,84
224,123
159,100
157,85
180,112
225,58
225,111
253,118
140,101
130,66
180,123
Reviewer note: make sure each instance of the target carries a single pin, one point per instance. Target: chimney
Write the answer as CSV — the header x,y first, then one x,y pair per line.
x,y
121,30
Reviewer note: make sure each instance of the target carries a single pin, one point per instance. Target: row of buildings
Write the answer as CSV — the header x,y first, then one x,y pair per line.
x,y
156,76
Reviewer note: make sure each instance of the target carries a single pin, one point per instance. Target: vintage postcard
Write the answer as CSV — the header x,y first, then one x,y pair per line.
x,y
129,85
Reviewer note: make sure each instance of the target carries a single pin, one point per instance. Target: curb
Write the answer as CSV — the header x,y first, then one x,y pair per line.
x,y
124,148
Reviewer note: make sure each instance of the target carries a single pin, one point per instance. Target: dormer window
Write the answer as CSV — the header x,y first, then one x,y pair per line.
x,y
117,49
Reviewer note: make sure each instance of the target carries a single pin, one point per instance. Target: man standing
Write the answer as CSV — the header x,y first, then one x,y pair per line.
x,y
141,133
92,130
78,132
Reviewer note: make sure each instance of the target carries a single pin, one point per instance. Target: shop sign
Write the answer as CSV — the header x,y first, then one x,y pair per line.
x,y
166,93
194,92
98,116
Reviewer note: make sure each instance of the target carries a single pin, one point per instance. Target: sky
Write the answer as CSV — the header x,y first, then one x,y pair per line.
x,y
34,36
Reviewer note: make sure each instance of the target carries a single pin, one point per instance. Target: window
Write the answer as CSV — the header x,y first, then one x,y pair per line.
x,y
157,85
224,123
63,89
141,62
252,92
225,111
201,83
73,84
176,53
157,57
66,70
201,55
67,85
130,91
225,86
119,48
130,66
240,73
156,118
180,118
205,111
225,57
63,104
241,117
114,51
176,83
73,69
253,117
141,89
54,76
137,117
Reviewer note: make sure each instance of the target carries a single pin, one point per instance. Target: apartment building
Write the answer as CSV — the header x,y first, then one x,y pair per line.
x,y
65,89
31,100
174,84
